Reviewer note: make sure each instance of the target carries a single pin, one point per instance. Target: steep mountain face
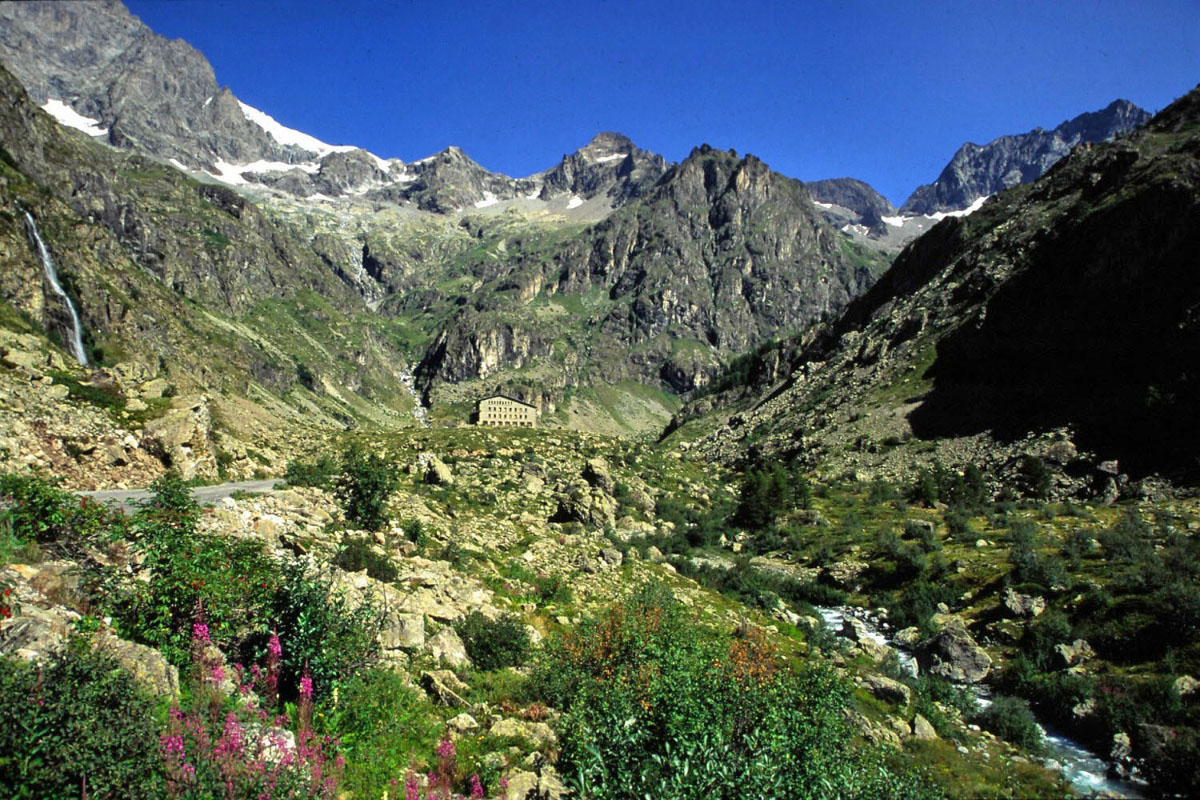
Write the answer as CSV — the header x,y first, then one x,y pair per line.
x,y
97,67
609,165
178,284
868,205
152,94
980,171
720,255
1066,308
450,181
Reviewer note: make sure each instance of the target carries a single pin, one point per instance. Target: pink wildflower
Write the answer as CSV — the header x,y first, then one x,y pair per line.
x,y
306,687
445,749
476,788
411,790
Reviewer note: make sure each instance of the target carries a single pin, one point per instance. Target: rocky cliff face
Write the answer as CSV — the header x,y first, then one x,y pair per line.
x,y
869,206
1063,308
721,254
152,94
980,171
181,283
609,165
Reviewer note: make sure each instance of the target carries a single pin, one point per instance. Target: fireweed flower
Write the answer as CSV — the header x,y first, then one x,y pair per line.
x,y
445,749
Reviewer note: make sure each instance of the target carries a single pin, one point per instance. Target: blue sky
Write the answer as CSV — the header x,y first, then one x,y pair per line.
x,y
884,92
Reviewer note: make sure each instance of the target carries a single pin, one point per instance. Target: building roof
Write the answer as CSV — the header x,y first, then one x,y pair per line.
x,y
506,397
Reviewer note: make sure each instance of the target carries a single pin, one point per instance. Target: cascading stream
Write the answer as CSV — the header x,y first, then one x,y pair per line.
x,y
1086,770
75,340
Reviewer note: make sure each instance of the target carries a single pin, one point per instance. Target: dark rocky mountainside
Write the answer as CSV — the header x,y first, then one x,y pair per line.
x,y
609,165
1066,308
152,94
178,282
721,254
855,195
980,171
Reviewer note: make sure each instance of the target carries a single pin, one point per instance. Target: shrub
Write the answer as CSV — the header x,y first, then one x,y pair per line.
x,y
1011,719
1076,544
1172,765
366,483
171,493
880,492
1042,634
1036,478
494,644
35,510
933,696
765,492
926,536
1028,565
1128,539
77,727
553,589
958,524
380,720
917,602
656,705
319,472
413,531
357,553
234,579
325,631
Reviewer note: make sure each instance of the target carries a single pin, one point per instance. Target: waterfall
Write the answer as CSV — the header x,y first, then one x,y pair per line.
x,y
419,411
76,337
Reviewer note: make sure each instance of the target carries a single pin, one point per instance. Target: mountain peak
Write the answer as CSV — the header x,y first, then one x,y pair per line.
x,y
610,142
981,171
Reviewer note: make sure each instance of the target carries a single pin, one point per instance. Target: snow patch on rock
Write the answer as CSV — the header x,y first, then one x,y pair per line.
x,y
65,115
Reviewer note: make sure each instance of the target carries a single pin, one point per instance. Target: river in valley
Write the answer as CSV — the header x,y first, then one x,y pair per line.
x,y
1086,770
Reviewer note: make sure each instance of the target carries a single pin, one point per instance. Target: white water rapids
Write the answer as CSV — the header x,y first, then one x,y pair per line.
x,y
1087,772
75,341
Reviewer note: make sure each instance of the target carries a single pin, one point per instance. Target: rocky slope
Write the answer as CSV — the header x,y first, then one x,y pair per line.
x,y
978,171
868,206
178,284
721,254
1062,308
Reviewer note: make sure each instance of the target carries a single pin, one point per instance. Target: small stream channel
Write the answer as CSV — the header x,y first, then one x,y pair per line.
x,y
1087,771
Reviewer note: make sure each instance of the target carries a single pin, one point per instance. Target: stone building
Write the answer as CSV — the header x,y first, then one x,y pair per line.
x,y
503,410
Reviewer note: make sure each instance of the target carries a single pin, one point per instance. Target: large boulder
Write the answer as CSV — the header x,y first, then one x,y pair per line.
x,y
1024,605
444,687
955,655
447,647
886,689
597,474
403,631
436,471
845,573
145,665
922,729
181,438
580,503
538,734
1076,652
